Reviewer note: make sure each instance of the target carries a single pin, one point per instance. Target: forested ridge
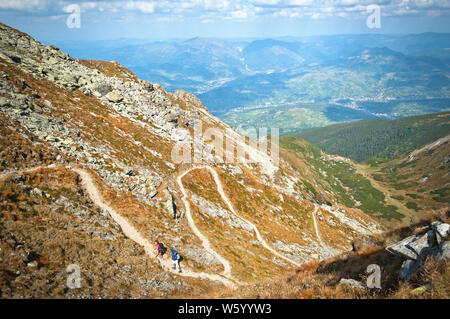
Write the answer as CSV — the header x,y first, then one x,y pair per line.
x,y
370,138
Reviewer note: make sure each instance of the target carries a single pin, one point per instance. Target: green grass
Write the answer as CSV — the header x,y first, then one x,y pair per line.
x,y
413,196
412,205
309,187
443,195
342,175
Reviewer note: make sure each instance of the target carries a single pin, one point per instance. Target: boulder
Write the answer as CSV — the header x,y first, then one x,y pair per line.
x,y
114,97
442,230
68,79
401,249
417,248
422,244
169,202
352,283
83,81
102,89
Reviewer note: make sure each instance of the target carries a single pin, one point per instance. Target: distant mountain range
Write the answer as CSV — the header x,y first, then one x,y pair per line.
x,y
294,83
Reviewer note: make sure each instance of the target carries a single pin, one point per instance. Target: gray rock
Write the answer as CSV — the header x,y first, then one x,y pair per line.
x,y
68,79
400,248
3,101
442,230
169,203
83,81
114,97
352,283
200,255
48,104
408,269
422,244
103,89
444,251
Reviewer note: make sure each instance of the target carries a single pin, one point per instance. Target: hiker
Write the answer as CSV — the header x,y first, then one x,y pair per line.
x,y
160,249
176,259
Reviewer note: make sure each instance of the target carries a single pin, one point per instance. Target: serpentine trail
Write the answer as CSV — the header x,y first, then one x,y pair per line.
x,y
132,233
128,230
230,207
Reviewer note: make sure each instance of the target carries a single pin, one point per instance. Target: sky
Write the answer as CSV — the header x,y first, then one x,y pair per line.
x,y
47,20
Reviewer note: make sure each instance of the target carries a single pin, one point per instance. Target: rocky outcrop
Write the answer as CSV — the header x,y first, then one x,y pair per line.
x,y
170,205
417,248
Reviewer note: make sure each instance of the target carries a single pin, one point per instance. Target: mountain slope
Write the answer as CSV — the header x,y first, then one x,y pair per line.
x,y
127,134
337,179
371,138
419,181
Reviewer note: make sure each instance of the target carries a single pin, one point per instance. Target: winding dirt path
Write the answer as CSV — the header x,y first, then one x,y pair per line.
x,y
230,207
316,208
134,235
226,278
204,240
127,228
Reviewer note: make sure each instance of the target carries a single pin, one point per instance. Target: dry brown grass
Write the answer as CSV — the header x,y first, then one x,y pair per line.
x,y
110,69
319,279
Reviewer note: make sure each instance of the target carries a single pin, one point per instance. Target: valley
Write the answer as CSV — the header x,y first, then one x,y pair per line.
x,y
294,83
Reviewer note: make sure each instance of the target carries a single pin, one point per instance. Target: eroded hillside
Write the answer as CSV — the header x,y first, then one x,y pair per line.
x,y
64,121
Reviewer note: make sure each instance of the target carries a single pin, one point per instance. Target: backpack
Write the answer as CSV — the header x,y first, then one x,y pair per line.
x,y
161,249
176,255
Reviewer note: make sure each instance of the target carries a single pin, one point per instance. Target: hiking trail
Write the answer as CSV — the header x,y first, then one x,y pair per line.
x,y
128,230
230,207
316,208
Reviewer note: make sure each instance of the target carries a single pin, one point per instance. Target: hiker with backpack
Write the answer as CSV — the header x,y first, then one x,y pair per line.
x,y
161,250
176,259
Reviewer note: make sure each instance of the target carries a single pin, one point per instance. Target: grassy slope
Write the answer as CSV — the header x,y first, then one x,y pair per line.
x,y
78,110
419,185
370,138
342,180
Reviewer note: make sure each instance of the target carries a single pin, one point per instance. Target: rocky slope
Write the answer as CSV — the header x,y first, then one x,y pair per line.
x,y
98,116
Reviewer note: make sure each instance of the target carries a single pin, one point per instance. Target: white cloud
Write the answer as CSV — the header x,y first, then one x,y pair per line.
x,y
236,9
239,14
142,6
264,2
22,5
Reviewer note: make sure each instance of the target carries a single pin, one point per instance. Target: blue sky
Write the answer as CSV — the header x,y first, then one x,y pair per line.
x,y
46,19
